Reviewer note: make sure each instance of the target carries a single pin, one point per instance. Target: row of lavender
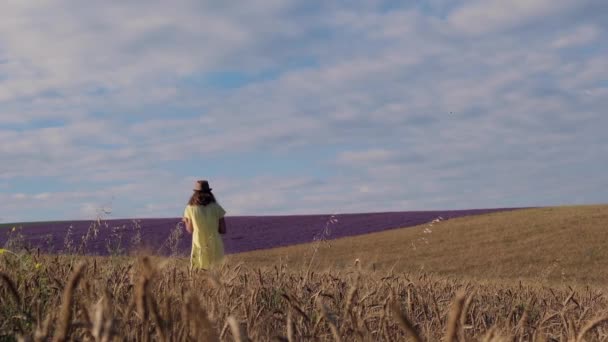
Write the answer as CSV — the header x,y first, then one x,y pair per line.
x,y
245,233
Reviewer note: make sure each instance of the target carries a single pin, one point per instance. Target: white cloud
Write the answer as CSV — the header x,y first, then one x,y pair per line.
x,y
89,210
483,16
42,196
67,47
366,157
398,107
19,196
580,36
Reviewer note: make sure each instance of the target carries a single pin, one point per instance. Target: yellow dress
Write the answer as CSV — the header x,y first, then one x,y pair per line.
x,y
207,245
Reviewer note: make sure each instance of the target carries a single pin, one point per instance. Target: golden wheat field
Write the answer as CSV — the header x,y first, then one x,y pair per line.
x,y
274,296
555,246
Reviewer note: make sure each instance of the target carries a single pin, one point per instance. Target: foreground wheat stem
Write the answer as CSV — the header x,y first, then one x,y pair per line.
x,y
65,315
236,329
590,326
454,317
12,289
405,322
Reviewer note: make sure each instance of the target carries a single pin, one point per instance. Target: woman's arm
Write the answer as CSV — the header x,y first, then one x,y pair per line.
x,y
222,228
188,224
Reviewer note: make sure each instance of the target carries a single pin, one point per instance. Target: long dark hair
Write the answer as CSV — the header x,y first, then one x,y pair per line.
x,y
201,198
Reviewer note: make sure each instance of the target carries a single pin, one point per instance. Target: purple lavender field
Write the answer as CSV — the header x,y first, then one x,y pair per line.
x,y
166,236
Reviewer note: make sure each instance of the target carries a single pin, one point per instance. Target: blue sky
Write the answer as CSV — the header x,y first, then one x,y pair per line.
x,y
292,107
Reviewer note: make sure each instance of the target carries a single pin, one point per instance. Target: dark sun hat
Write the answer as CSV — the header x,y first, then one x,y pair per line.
x,y
202,185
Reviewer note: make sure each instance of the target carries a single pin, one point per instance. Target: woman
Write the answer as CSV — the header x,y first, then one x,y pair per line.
x,y
204,219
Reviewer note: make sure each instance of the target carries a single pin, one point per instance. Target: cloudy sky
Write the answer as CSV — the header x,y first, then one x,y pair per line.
x,y
297,107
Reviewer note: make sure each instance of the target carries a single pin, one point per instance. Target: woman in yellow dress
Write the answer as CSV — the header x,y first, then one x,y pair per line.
x,y
204,219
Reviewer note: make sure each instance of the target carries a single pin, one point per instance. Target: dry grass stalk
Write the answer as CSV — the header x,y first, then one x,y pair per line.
x,y
65,314
493,336
159,324
141,289
405,322
12,289
237,330
330,320
290,330
42,329
98,326
350,296
463,317
454,317
200,327
590,326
